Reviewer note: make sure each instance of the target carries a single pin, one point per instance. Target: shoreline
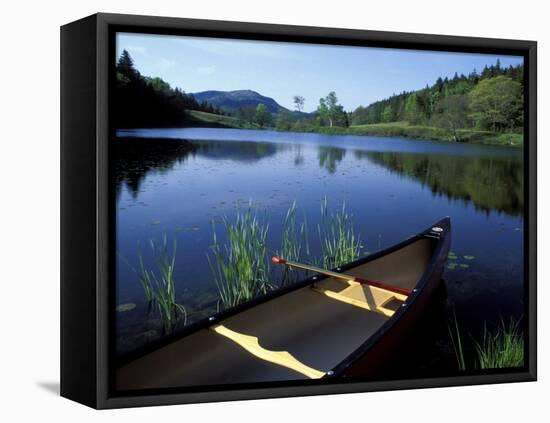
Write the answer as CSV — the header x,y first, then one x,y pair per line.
x,y
391,129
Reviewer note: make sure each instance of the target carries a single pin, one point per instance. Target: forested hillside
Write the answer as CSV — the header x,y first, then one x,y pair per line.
x,y
489,101
141,101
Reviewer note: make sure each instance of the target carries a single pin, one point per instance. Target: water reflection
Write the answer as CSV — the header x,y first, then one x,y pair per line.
x,y
491,184
135,158
329,157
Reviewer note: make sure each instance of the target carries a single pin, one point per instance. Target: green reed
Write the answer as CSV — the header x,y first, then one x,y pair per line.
x,y
241,266
456,340
502,348
339,244
159,285
294,239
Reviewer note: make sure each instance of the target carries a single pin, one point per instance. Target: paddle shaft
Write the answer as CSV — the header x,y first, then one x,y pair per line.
x,y
338,275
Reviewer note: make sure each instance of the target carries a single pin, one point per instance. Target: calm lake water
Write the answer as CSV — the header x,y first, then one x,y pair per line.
x,y
393,187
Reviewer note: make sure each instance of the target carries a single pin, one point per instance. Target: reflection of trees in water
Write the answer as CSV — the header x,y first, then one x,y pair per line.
x,y
489,183
240,151
298,156
137,157
330,156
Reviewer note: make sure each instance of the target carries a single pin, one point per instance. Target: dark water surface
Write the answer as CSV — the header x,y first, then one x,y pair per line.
x,y
393,187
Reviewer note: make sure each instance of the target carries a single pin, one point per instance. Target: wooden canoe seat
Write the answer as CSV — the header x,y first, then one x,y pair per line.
x,y
281,358
368,297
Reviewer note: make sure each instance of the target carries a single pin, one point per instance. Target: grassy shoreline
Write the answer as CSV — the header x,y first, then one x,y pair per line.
x,y
391,129
404,130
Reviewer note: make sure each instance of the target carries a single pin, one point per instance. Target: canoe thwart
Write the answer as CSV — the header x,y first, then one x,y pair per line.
x,y
340,296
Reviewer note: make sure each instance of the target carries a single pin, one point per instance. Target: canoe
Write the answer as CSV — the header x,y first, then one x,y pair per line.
x,y
319,328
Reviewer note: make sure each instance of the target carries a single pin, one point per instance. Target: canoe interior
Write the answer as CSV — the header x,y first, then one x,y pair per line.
x,y
318,326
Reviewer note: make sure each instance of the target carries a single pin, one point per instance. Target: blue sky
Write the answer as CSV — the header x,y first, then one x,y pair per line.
x,y
358,75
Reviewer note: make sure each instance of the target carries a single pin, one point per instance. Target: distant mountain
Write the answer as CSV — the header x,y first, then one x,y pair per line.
x,y
232,101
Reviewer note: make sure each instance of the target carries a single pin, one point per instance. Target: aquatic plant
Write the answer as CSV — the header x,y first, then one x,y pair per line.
x,y
339,244
293,239
121,308
241,266
502,348
159,286
456,340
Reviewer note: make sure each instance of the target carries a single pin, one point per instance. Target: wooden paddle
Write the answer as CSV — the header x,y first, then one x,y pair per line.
x,y
338,275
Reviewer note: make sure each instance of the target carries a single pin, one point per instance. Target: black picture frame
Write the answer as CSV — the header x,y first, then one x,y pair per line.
x,y
87,195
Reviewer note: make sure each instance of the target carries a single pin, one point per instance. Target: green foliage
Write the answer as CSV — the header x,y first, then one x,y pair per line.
x,y
339,244
293,239
502,348
412,110
241,265
159,286
284,121
497,103
456,341
262,116
387,114
299,102
483,101
144,101
451,112
330,111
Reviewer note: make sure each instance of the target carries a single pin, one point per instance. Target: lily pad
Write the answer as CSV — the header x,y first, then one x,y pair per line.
x,y
121,308
469,257
451,266
155,222
464,266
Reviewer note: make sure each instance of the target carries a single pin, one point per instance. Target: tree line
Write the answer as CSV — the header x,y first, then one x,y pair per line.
x,y
141,101
491,100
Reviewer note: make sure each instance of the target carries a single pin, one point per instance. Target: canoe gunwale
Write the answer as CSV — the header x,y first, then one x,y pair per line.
x,y
338,369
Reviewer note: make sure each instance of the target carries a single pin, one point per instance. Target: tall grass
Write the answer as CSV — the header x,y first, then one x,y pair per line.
x,y
241,265
339,244
456,340
502,348
293,239
159,285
